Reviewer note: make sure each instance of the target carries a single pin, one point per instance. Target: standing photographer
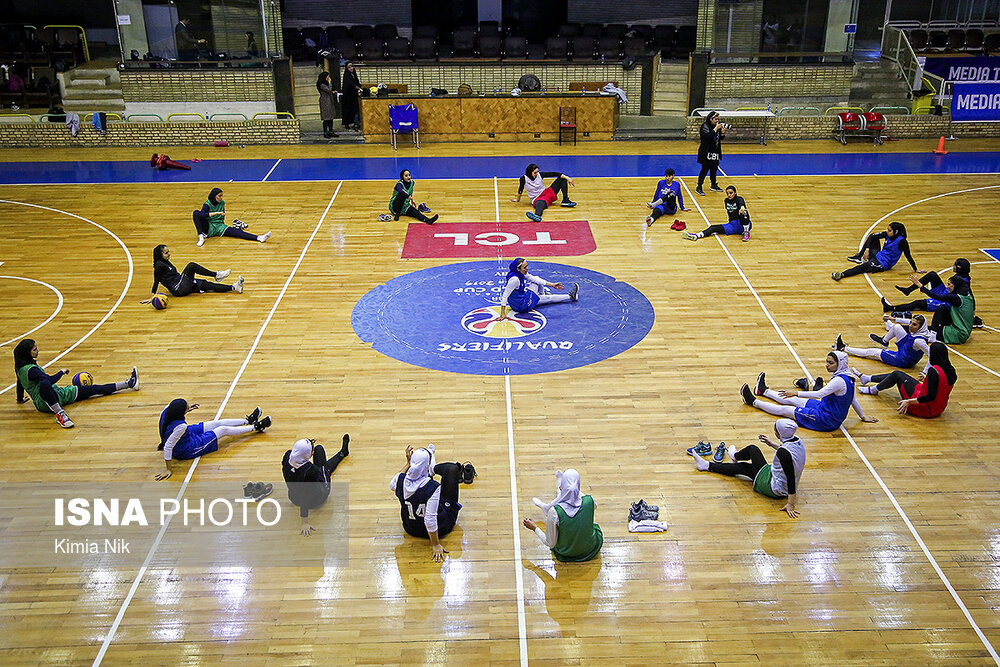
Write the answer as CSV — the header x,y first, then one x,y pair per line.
x,y
712,133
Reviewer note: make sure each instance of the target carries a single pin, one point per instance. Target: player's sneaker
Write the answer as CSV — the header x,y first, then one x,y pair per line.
x,y
262,424
877,340
839,344
531,215
254,416
746,236
747,395
64,420
761,385
133,379
568,204
701,449
468,473
720,453
574,292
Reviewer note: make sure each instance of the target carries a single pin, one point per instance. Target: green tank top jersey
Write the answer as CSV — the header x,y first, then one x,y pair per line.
x,y
580,538
66,395
398,203
216,218
961,321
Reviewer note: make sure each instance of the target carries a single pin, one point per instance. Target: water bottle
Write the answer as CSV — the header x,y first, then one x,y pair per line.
x,y
583,90
543,90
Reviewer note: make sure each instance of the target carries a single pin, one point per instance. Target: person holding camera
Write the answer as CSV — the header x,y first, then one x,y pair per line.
x,y
712,133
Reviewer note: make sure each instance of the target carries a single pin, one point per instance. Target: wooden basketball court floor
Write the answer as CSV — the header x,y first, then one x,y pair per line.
x,y
894,560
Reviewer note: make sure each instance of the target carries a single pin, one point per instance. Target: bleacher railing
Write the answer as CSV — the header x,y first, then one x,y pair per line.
x,y
896,48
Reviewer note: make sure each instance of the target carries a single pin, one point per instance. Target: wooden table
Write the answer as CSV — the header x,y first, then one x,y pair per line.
x,y
495,117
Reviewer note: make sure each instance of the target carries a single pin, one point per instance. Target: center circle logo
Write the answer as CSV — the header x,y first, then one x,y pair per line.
x,y
486,322
447,318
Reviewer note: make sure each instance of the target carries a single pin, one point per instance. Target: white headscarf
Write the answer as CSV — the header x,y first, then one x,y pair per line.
x,y
923,332
421,468
843,365
568,494
301,453
785,429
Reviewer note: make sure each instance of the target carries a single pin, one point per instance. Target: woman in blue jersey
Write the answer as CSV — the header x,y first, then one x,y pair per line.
x,y
875,258
739,219
823,410
523,291
180,441
912,343
931,284
667,199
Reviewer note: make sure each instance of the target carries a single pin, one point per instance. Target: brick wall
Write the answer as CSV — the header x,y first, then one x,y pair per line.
x,y
484,77
231,84
676,12
900,127
40,135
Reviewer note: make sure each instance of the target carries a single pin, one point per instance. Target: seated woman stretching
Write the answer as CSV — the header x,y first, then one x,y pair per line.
x,y
823,410
667,199
570,531
180,441
739,219
307,473
778,479
542,197
962,269
952,324
912,343
211,221
873,258
927,395
184,283
429,508
50,397
402,202
523,291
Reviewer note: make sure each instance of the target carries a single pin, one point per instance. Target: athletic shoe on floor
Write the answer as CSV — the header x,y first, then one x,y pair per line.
x,y
264,237
424,208
715,188
642,504
690,237
701,449
802,384
761,385
133,380
64,420
201,240
746,236
977,322
568,204
574,292
222,275
238,285
748,396
699,191
642,515
262,424
837,276
681,225
254,416
649,221
384,217
839,344
534,217
468,473
257,490
878,340
907,314
854,258
818,384
238,224
720,453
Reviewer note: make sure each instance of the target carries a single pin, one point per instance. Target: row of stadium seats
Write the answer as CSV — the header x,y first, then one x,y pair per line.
x,y
61,48
971,40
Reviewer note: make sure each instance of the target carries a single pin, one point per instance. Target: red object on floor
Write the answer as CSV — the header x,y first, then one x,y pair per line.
x,y
221,143
164,162
940,149
678,226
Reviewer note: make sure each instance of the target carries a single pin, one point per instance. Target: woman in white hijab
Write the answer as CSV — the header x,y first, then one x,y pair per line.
x,y
570,531
429,508
912,343
823,410
307,473
778,479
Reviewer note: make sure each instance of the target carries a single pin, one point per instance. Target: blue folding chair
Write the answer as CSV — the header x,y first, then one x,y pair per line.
x,y
403,120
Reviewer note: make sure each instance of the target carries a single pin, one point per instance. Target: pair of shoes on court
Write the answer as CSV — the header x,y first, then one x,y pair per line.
x,y
641,511
424,208
689,236
257,490
468,472
259,423
908,314
803,384
855,258
574,292
837,275
701,449
531,215
384,217
238,224
678,226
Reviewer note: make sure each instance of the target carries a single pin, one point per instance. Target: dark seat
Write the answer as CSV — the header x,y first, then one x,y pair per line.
x,y
316,34
335,32
991,43
641,30
615,30
489,27
635,46
594,30
973,39
489,46
386,31
687,37
918,39
609,48
938,40
348,48
362,32
398,48
584,48
664,36
424,48
536,52
373,48
557,47
956,40
294,44
515,47
463,43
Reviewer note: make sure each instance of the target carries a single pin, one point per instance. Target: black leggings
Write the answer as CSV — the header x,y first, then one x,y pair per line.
x,y
328,127
189,283
48,394
709,168
872,245
919,304
408,209
895,379
201,224
930,278
941,319
328,465
451,475
558,185
748,462
663,210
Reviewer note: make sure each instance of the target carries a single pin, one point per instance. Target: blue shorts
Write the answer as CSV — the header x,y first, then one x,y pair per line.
x,y
734,227
934,304
815,419
525,303
196,442
894,358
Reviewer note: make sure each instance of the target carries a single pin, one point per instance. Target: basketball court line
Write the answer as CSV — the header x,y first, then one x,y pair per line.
x,y
271,171
522,626
904,207
864,459
218,414
54,313
121,297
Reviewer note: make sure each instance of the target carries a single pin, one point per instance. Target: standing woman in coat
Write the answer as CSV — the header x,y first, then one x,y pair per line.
x,y
711,135
350,105
327,103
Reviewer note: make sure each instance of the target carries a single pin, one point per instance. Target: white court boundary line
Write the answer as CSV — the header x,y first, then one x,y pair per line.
x,y
273,167
864,459
222,406
121,297
54,313
522,629
903,208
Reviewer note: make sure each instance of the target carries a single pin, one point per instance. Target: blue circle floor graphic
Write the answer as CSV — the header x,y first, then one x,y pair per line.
x,y
447,318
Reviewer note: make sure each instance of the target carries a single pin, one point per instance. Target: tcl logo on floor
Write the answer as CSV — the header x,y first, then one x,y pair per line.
x,y
482,239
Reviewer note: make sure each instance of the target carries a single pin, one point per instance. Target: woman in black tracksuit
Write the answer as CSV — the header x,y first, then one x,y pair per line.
x,y
710,151
184,282
307,473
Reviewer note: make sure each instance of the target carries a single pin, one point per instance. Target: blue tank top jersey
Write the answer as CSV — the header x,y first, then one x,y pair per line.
x,y
170,429
839,406
412,509
522,300
890,253
906,351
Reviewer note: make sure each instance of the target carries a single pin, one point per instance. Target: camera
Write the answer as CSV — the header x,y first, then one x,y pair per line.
x,y
725,126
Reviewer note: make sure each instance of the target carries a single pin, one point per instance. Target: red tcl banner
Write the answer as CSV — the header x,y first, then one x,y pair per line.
x,y
484,239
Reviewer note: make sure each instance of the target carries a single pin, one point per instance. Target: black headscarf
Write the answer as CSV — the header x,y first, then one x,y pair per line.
x,y
351,80
213,194
22,354
174,411
939,357
962,267
324,77
530,168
